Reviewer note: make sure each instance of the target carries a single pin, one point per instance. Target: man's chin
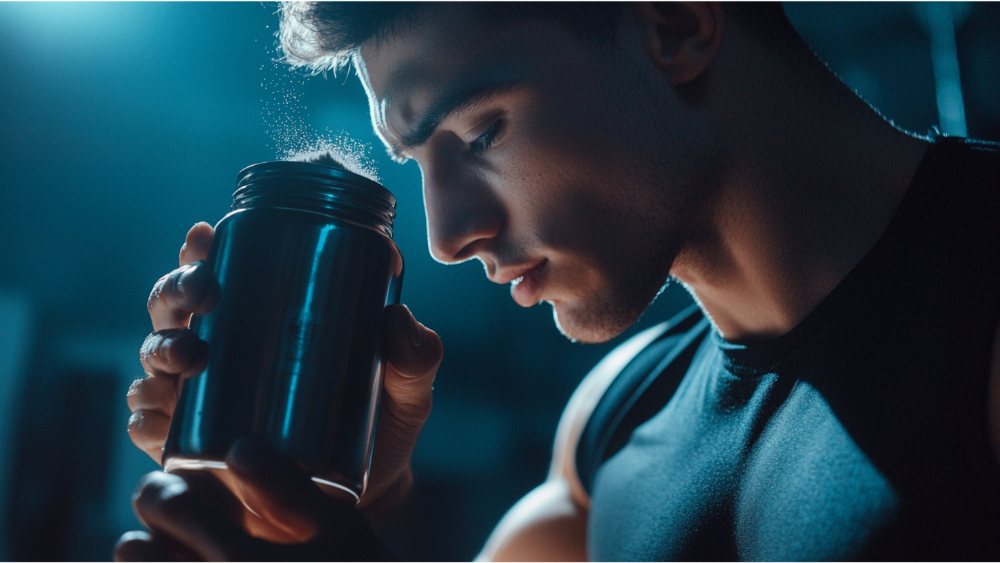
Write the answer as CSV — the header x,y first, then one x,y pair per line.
x,y
591,325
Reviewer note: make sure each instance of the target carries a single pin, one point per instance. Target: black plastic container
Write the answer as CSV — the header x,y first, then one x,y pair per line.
x,y
306,266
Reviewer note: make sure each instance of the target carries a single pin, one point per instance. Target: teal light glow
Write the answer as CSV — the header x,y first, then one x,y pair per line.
x,y
296,367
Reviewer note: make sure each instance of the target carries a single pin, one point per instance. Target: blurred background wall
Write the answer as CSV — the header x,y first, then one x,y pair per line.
x,y
123,124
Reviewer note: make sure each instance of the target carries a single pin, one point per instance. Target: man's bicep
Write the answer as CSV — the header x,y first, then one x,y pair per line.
x,y
545,525
550,522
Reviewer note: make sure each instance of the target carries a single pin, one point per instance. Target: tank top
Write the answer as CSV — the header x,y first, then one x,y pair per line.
x,y
860,434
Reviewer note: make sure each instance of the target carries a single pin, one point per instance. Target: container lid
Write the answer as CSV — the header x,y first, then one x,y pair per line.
x,y
319,188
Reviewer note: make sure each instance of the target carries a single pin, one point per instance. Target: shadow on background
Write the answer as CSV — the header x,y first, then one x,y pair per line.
x,y
124,124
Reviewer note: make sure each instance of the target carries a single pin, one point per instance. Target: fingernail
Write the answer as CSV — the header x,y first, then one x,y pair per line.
x,y
168,349
182,277
163,350
177,349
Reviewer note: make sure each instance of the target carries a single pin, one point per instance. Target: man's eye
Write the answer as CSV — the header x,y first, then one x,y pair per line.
x,y
487,139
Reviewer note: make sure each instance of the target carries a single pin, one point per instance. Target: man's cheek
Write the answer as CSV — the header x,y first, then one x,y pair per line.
x,y
582,222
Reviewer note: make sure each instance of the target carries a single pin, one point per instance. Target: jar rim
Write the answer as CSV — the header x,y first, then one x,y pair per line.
x,y
316,187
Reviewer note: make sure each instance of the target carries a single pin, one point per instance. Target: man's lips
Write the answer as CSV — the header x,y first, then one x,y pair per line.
x,y
526,288
507,274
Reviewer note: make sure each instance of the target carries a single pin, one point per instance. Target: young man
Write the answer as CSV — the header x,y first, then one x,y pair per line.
x,y
829,398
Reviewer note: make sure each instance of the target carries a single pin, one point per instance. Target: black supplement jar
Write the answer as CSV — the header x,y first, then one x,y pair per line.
x,y
306,266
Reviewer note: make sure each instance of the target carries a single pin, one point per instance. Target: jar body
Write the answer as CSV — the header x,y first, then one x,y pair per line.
x,y
295,344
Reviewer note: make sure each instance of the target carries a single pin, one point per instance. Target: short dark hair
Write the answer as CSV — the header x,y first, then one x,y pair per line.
x,y
324,36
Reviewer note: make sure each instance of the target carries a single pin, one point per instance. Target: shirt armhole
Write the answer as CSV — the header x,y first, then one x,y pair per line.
x,y
581,405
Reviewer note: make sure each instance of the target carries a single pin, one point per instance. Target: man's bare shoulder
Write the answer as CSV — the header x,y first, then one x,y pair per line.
x,y
550,522
582,403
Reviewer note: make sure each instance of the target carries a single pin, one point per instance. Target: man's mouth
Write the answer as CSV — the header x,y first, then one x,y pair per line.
x,y
526,288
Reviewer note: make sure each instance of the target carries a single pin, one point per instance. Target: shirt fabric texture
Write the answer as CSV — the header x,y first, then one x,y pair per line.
x,y
860,434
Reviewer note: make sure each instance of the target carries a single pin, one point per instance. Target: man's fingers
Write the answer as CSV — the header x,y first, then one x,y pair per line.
x,y
167,356
414,353
143,547
153,393
173,353
194,509
279,491
148,431
189,289
196,243
140,546
322,528
413,350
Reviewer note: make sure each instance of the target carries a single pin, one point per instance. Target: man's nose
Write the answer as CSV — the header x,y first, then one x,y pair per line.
x,y
463,213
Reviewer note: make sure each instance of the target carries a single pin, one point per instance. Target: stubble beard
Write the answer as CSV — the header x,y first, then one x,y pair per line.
x,y
606,317
673,208
647,252
632,283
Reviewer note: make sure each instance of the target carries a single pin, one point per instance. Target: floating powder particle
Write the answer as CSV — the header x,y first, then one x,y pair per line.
x,y
293,138
350,154
324,158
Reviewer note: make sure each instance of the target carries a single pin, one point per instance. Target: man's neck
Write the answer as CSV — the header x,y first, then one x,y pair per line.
x,y
801,201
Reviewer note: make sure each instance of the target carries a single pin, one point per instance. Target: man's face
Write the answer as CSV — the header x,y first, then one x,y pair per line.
x,y
543,156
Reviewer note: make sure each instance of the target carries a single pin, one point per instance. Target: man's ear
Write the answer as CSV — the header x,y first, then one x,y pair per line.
x,y
682,38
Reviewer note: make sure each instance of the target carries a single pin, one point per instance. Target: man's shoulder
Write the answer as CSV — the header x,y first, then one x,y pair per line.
x,y
594,387
587,426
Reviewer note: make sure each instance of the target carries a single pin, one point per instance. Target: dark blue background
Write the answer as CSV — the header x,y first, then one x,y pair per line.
x,y
123,124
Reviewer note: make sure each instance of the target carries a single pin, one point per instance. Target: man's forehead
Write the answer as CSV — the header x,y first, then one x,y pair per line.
x,y
435,35
405,74
410,95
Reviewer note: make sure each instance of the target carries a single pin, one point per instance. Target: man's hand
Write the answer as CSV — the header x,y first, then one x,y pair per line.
x,y
173,353
192,515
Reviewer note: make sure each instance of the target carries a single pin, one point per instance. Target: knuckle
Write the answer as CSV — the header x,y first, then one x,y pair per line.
x,y
146,428
177,289
134,395
149,347
137,426
154,392
140,546
146,439
144,488
135,388
158,491
172,351
133,537
156,294
190,287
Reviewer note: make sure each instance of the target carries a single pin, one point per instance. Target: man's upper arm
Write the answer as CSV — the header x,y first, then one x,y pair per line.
x,y
550,522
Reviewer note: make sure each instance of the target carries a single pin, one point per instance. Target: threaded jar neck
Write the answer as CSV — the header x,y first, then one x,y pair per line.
x,y
305,186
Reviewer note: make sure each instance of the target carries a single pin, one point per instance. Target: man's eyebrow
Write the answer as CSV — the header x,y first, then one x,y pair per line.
x,y
444,107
